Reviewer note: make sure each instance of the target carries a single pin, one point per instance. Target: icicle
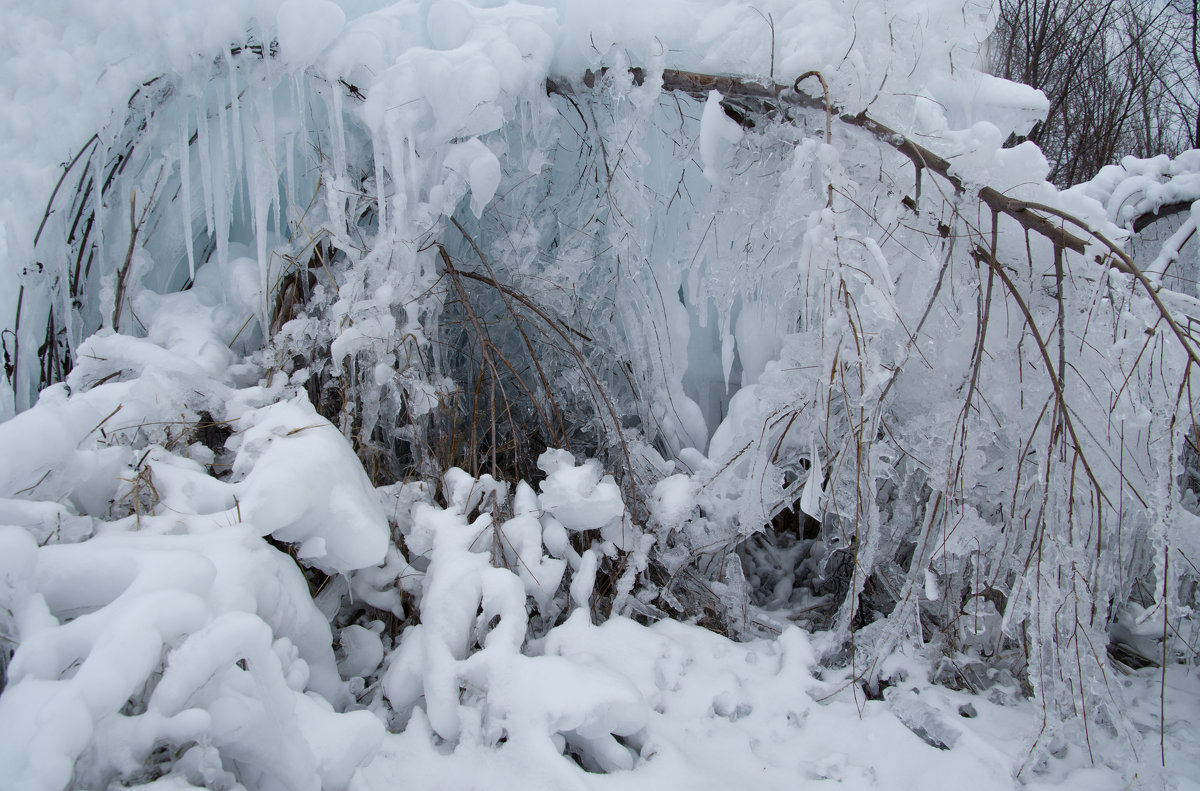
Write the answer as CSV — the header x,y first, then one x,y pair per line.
x,y
303,109
185,179
236,131
296,201
414,173
698,298
338,127
727,350
393,142
811,496
98,159
289,146
264,185
380,196
223,193
258,180
203,141
334,204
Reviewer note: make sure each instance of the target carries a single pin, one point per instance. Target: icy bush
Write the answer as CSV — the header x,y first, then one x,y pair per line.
x,y
613,340
467,649
156,631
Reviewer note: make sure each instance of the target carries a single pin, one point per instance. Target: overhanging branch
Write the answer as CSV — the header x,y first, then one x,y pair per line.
x,y
762,96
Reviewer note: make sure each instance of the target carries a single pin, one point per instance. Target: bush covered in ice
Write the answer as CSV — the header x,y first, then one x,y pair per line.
x,y
434,392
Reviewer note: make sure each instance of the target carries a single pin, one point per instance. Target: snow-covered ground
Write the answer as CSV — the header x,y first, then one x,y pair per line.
x,y
202,584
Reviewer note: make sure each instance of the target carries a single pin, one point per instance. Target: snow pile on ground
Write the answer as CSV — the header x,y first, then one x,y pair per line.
x,y
421,394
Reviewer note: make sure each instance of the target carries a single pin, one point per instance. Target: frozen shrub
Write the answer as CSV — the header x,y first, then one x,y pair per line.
x,y
613,339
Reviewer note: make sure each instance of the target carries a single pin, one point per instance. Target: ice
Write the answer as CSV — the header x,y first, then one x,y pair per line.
x,y
811,497
921,719
185,203
479,168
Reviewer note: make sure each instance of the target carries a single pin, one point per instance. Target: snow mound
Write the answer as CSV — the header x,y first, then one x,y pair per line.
x,y
138,649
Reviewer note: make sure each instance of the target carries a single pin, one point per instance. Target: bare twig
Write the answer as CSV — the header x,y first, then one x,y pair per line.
x,y
66,169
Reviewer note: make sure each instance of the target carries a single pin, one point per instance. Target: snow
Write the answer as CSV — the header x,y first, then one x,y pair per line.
x,y
715,126
307,27
300,482
112,605
250,543
582,498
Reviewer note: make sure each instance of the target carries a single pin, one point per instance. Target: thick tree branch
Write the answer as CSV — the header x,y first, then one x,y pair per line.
x,y
765,97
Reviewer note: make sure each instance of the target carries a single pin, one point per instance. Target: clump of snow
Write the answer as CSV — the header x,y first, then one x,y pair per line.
x,y
302,483
715,127
307,27
582,497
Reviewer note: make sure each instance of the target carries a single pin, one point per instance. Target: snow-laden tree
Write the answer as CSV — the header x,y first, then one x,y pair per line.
x,y
483,334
